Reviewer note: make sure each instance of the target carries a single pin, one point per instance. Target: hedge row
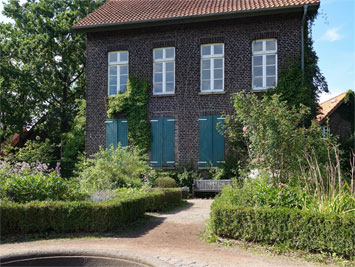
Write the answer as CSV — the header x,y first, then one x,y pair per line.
x,y
293,228
82,216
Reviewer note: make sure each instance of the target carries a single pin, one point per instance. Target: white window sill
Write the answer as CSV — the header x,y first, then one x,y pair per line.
x,y
258,90
212,93
164,94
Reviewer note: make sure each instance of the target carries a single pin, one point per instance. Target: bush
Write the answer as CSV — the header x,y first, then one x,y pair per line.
x,y
274,134
83,216
112,168
165,182
292,228
39,187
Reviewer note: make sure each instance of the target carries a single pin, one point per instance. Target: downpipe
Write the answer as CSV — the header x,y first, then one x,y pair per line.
x,y
305,8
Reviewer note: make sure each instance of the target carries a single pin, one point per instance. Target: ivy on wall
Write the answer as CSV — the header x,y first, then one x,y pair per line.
x,y
133,105
297,87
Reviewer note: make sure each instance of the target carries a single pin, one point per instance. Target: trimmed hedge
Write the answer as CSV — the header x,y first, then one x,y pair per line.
x,y
82,216
293,228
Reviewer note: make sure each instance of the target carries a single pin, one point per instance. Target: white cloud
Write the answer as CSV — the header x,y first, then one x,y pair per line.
x,y
332,35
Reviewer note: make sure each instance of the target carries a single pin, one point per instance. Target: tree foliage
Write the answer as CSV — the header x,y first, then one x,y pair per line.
x,y
42,65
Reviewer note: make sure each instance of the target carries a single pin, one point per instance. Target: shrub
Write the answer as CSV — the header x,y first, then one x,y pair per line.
x,y
83,216
293,228
165,182
112,168
274,134
39,187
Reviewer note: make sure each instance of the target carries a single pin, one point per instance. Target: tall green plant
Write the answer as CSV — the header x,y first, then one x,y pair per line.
x,y
273,133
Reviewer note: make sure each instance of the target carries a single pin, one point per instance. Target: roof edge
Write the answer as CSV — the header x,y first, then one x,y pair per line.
x,y
193,18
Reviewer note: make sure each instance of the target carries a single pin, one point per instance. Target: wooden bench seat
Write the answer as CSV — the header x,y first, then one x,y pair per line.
x,y
214,186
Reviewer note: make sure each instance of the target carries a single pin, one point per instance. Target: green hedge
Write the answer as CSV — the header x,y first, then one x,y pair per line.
x,y
293,228
81,216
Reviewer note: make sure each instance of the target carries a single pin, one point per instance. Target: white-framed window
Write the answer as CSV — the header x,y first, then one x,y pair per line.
x,y
164,70
212,67
264,64
117,72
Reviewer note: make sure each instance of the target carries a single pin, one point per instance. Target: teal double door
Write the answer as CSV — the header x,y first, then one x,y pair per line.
x,y
162,152
211,141
116,132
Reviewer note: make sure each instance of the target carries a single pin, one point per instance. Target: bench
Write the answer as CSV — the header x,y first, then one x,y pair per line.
x,y
209,186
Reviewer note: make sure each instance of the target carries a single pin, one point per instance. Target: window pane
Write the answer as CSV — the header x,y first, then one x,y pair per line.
x,y
170,87
271,45
158,77
169,53
206,64
112,70
258,82
124,69
112,57
271,60
218,49
218,63
158,87
170,77
218,84
270,70
158,53
206,74
123,79
112,90
205,85
270,81
169,66
258,60
113,80
258,71
258,46
124,56
123,88
158,67
206,50
218,74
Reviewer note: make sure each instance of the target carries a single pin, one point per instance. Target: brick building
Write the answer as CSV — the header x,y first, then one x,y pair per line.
x,y
196,54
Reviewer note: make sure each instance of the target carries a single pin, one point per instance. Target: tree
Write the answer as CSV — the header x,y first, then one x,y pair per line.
x,y
42,65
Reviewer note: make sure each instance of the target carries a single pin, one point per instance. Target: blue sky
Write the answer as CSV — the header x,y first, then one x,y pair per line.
x,y
334,42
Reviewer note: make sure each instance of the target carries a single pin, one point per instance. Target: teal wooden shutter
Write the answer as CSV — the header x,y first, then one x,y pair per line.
x,y
122,132
168,142
156,148
218,140
111,133
206,151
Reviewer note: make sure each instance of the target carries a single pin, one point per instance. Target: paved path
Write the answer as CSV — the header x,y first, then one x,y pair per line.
x,y
173,237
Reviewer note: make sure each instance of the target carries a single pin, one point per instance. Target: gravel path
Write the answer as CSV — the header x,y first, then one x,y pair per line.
x,y
173,237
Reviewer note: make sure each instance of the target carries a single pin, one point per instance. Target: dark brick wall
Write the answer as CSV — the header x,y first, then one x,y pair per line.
x,y
187,104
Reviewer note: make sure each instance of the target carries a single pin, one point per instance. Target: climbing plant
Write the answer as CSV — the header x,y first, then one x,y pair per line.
x,y
133,105
303,87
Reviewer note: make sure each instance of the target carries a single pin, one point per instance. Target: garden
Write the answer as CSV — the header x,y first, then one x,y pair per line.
x,y
295,189
109,191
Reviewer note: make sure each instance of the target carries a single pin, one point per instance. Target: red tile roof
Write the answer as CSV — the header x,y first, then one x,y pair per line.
x,y
326,108
131,11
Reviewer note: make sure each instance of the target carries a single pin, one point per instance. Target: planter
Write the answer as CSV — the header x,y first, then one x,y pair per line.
x,y
185,192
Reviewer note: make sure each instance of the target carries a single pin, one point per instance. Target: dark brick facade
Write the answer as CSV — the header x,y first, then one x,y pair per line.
x,y
187,104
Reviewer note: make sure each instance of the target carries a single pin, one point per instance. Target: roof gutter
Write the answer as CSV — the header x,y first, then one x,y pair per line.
x,y
305,8
189,19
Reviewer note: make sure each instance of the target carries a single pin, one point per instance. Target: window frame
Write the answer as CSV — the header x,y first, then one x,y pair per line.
x,y
265,53
117,64
163,61
212,73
